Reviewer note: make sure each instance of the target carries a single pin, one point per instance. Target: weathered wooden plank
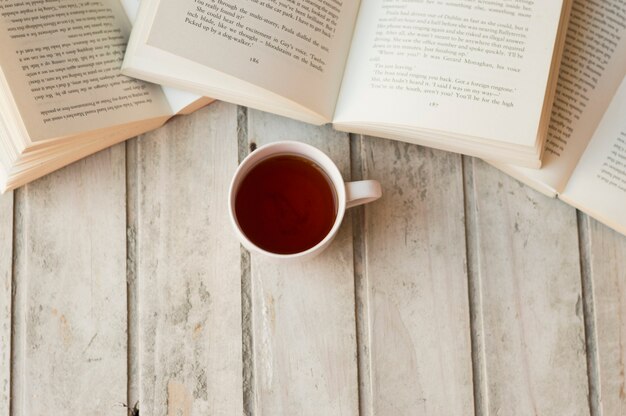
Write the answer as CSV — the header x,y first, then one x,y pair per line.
x,y
6,267
303,314
607,261
532,325
420,355
70,283
360,286
188,268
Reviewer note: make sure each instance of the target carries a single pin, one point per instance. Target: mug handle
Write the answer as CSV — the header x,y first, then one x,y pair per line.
x,y
362,192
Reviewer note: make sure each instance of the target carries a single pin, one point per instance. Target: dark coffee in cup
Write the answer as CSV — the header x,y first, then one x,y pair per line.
x,y
286,204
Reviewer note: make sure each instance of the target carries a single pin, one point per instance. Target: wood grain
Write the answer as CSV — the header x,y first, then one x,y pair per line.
x,y
188,271
6,267
417,302
79,236
303,314
607,262
532,325
70,285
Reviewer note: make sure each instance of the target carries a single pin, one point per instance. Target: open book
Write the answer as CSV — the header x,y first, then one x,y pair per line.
x,y
585,157
62,95
460,75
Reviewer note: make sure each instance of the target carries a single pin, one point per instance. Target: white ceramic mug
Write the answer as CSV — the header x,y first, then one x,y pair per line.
x,y
349,194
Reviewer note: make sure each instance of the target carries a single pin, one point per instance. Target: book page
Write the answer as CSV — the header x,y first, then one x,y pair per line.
x,y
177,99
598,184
61,60
594,63
457,66
294,48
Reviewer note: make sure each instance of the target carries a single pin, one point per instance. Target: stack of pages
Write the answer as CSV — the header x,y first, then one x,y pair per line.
x,y
62,95
585,156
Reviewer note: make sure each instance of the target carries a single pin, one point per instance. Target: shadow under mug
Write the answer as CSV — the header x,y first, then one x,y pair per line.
x,y
348,194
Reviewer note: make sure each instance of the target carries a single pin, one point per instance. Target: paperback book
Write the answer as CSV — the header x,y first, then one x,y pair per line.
x,y
471,77
62,95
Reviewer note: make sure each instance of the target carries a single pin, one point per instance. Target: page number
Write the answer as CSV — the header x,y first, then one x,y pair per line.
x,y
254,60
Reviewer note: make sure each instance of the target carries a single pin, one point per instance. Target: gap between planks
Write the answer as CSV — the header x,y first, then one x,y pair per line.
x,y
361,303
244,148
17,300
591,340
474,289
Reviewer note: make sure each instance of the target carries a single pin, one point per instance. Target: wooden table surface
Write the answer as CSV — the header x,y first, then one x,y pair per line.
x,y
460,292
